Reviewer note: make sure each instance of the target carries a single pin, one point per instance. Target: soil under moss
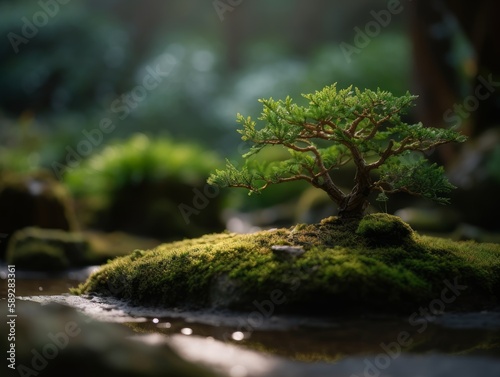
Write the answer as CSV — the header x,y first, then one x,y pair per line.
x,y
376,266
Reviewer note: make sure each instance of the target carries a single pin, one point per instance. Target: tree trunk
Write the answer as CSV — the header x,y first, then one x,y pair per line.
x,y
355,204
353,207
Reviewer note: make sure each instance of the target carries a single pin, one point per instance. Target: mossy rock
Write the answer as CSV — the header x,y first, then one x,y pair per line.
x,y
382,229
55,250
47,249
151,187
341,271
35,200
39,257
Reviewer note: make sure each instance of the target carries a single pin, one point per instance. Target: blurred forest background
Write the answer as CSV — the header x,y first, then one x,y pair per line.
x,y
76,71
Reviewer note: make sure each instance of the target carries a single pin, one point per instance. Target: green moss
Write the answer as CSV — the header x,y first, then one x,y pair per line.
x,y
382,229
342,270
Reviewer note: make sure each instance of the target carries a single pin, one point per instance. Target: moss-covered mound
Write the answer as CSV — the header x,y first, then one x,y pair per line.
x,y
160,181
47,249
53,250
342,270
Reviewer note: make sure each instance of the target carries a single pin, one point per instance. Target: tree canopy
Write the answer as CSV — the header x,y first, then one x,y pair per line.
x,y
337,127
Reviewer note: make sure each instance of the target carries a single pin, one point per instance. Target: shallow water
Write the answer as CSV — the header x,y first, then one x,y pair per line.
x,y
344,339
308,346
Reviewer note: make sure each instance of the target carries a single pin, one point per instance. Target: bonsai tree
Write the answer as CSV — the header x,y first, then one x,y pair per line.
x,y
338,127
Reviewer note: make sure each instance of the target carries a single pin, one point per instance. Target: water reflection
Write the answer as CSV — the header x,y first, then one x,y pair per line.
x,y
302,339
344,337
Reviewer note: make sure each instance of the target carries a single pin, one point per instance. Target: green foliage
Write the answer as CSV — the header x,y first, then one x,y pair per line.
x,y
66,87
338,127
139,159
416,176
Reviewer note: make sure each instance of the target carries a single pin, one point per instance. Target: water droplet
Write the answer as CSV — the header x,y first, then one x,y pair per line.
x,y
238,335
186,331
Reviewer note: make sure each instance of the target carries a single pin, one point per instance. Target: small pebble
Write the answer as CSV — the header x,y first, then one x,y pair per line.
x,y
290,250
